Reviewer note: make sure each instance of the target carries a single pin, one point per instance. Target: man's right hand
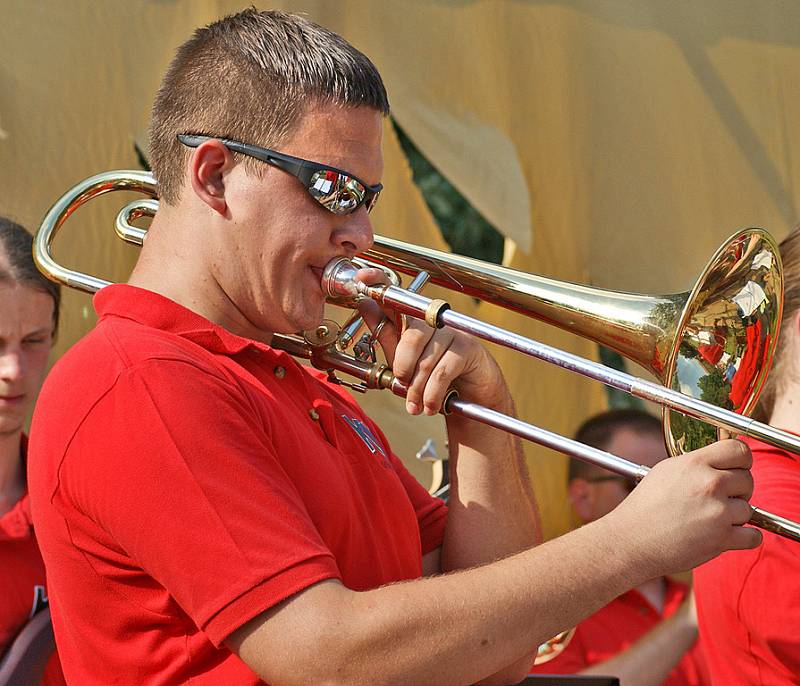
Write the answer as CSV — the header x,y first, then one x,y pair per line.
x,y
691,508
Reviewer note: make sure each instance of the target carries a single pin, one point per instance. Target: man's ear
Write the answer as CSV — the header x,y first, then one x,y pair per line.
x,y
581,495
207,167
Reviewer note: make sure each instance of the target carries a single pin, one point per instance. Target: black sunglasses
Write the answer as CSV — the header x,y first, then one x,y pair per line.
x,y
335,189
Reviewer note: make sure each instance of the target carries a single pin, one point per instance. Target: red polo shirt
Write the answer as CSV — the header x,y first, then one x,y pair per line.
x,y
21,572
185,479
619,625
22,578
748,601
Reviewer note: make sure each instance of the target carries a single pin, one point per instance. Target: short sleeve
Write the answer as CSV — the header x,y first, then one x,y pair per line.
x,y
177,466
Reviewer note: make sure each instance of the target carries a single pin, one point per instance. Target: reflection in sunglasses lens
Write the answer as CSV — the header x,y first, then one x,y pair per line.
x,y
336,192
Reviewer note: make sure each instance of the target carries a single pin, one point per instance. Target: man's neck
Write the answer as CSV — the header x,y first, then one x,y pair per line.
x,y
184,282
12,473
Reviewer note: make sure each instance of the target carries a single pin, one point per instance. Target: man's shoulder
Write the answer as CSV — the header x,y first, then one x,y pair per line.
x,y
115,350
118,344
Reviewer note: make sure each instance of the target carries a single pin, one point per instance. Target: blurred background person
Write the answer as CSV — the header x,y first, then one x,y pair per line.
x,y
648,635
28,320
749,604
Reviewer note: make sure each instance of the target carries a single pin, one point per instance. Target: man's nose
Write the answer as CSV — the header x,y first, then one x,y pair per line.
x,y
355,234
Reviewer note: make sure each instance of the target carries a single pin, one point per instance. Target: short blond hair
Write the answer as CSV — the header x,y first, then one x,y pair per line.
x,y
250,77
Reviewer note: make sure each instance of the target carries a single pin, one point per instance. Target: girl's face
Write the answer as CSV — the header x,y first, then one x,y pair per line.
x,y
26,336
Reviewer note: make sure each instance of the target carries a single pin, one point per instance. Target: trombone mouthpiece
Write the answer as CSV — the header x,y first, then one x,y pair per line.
x,y
338,280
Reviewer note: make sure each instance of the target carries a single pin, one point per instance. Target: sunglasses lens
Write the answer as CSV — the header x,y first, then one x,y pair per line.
x,y
336,192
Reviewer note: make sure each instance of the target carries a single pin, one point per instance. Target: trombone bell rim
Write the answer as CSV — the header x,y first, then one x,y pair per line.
x,y
749,261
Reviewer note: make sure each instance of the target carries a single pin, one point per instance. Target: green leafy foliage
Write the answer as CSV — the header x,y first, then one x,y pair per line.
x,y
463,228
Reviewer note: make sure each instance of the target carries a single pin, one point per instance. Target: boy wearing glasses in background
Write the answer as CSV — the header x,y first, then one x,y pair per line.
x,y
647,636
212,512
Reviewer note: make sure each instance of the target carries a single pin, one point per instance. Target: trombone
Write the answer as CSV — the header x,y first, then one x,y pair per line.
x,y
713,343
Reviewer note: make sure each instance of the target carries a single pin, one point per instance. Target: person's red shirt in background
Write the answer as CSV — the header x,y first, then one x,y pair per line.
x,y
22,580
616,627
748,602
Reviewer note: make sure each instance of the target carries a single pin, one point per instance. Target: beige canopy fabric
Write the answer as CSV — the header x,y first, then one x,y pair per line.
x,y
614,143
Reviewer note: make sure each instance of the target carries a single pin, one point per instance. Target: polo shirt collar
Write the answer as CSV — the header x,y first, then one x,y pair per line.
x,y
154,310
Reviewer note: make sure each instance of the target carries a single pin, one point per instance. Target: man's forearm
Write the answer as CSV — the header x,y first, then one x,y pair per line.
x,y
451,629
493,511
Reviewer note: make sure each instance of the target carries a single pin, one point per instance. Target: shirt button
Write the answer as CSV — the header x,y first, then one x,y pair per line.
x,y
279,372
313,414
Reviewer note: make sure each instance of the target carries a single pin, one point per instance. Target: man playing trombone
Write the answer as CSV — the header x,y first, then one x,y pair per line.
x,y
210,511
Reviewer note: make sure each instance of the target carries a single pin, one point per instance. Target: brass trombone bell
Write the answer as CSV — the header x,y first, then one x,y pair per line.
x,y
714,342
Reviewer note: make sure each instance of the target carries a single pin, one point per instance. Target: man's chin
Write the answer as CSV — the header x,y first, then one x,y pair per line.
x,y
298,325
